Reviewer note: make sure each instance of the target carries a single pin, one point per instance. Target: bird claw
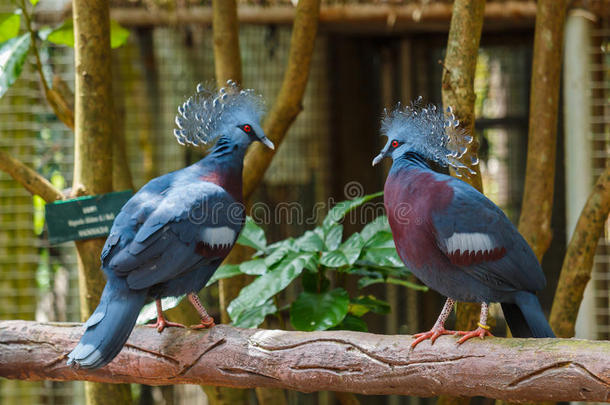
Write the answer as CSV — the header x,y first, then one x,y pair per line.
x,y
432,334
205,324
162,324
480,332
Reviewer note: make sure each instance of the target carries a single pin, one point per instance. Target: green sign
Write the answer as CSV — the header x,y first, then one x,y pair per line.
x,y
84,217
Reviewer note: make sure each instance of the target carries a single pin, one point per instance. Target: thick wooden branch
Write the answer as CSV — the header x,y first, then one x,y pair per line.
x,y
537,207
227,62
288,103
457,91
28,178
578,262
512,369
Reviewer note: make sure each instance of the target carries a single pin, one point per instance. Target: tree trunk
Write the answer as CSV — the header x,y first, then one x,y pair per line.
x,y
93,155
458,92
227,61
227,65
578,262
512,369
537,207
288,103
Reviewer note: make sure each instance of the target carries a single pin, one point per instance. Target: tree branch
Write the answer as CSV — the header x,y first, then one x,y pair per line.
x,y
227,61
28,178
288,103
93,154
513,369
459,70
578,261
56,100
537,207
458,92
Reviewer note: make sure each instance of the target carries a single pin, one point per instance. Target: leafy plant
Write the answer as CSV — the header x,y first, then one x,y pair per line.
x,y
369,255
14,47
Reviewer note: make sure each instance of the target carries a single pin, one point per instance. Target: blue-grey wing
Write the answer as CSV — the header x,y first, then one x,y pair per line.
x,y
478,237
133,214
192,226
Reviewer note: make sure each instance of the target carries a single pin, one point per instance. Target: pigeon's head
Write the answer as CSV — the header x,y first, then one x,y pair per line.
x,y
230,112
427,131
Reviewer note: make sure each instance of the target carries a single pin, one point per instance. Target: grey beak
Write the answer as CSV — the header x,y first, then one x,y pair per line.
x,y
265,141
378,158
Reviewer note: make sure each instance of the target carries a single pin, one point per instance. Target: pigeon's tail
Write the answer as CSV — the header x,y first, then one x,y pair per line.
x,y
525,317
109,326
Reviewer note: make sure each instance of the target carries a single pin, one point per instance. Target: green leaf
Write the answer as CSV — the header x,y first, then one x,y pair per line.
x,y
224,271
252,235
279,252
64,34
379,224
253,317
367,281
338,212
314,282
332,238
9,26
34,2
380,239
361,305
269,284
253,267
383,257
313,262
352,248
351,322
12,58
310,242
118,35
149,311
311,311
334,259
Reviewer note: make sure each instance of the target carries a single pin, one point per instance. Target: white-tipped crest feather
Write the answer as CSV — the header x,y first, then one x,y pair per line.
x,y
429,132
204,116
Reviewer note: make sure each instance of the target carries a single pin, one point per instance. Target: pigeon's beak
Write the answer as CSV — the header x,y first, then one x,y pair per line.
x,y
265,141
382,154
378,158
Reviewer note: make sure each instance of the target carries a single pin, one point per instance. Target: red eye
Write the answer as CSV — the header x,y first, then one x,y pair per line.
x,y
394,144
247,128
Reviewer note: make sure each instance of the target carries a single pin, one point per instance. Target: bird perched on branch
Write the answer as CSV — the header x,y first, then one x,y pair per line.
x,y
171,236
453,238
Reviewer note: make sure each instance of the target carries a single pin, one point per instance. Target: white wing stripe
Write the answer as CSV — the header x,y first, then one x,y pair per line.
x,y
219,236
472,242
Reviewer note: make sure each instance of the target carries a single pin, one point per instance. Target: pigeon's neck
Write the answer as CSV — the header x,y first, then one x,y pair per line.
x,y
223,166
410,160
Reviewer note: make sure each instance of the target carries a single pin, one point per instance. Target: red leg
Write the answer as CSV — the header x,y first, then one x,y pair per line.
x,y
206,320
482,330
162,323
439,327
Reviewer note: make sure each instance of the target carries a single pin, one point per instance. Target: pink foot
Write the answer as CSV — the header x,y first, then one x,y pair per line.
x,y
432,334
480,332
205,324
162,324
